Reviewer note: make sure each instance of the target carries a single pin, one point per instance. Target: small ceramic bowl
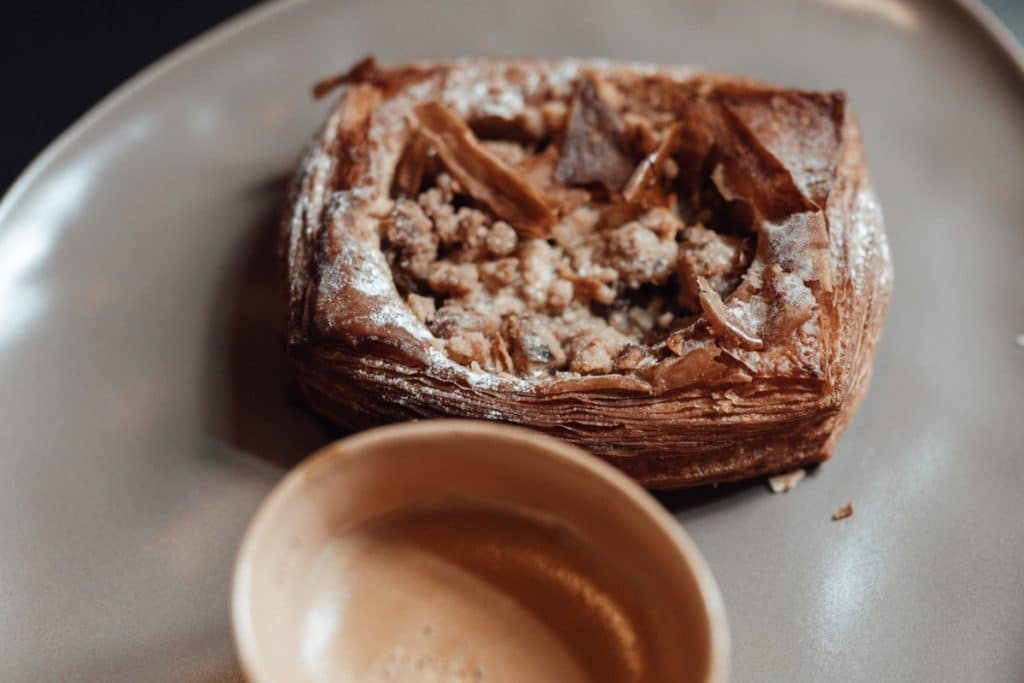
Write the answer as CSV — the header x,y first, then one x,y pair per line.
x,y
377,472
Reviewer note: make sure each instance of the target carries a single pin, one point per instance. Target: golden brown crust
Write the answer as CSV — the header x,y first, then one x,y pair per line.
x,y
764,380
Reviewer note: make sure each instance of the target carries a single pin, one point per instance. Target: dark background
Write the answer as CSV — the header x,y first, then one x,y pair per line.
x,y
60,58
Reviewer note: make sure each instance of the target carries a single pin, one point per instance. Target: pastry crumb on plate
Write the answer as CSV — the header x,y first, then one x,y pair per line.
x,y
783,483
843,512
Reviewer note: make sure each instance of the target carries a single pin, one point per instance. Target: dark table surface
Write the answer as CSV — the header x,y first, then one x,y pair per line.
x,y
61,58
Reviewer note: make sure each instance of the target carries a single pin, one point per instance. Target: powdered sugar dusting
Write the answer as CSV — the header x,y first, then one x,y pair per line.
x,y
748,314
789,242
501,90
370,275
370,278
795,294
867,242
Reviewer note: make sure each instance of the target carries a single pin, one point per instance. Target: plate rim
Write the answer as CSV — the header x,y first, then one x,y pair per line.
x,y
985,17
181,54
980,14
60,149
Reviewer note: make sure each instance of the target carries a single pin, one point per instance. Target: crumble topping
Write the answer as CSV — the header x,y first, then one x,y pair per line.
x,y
592,234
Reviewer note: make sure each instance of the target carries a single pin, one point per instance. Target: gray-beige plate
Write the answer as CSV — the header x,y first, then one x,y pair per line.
x,y
141,382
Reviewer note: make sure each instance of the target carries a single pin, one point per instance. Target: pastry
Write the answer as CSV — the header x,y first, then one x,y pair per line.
x,y
684,273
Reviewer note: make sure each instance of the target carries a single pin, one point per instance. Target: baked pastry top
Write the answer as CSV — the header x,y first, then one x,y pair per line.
x,y
684,273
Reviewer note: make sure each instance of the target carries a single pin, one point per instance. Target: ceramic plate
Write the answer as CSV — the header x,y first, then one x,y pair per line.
x,y
142,387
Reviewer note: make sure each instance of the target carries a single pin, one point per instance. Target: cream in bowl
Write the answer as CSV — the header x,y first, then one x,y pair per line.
x,y
467,551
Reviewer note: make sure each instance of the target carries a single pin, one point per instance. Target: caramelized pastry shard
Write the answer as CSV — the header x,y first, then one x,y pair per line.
x,y
754,175
721,320
595,148
367,71
413,166
361,72
483,175
467,239
645,186
801,130
540,170
350,146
